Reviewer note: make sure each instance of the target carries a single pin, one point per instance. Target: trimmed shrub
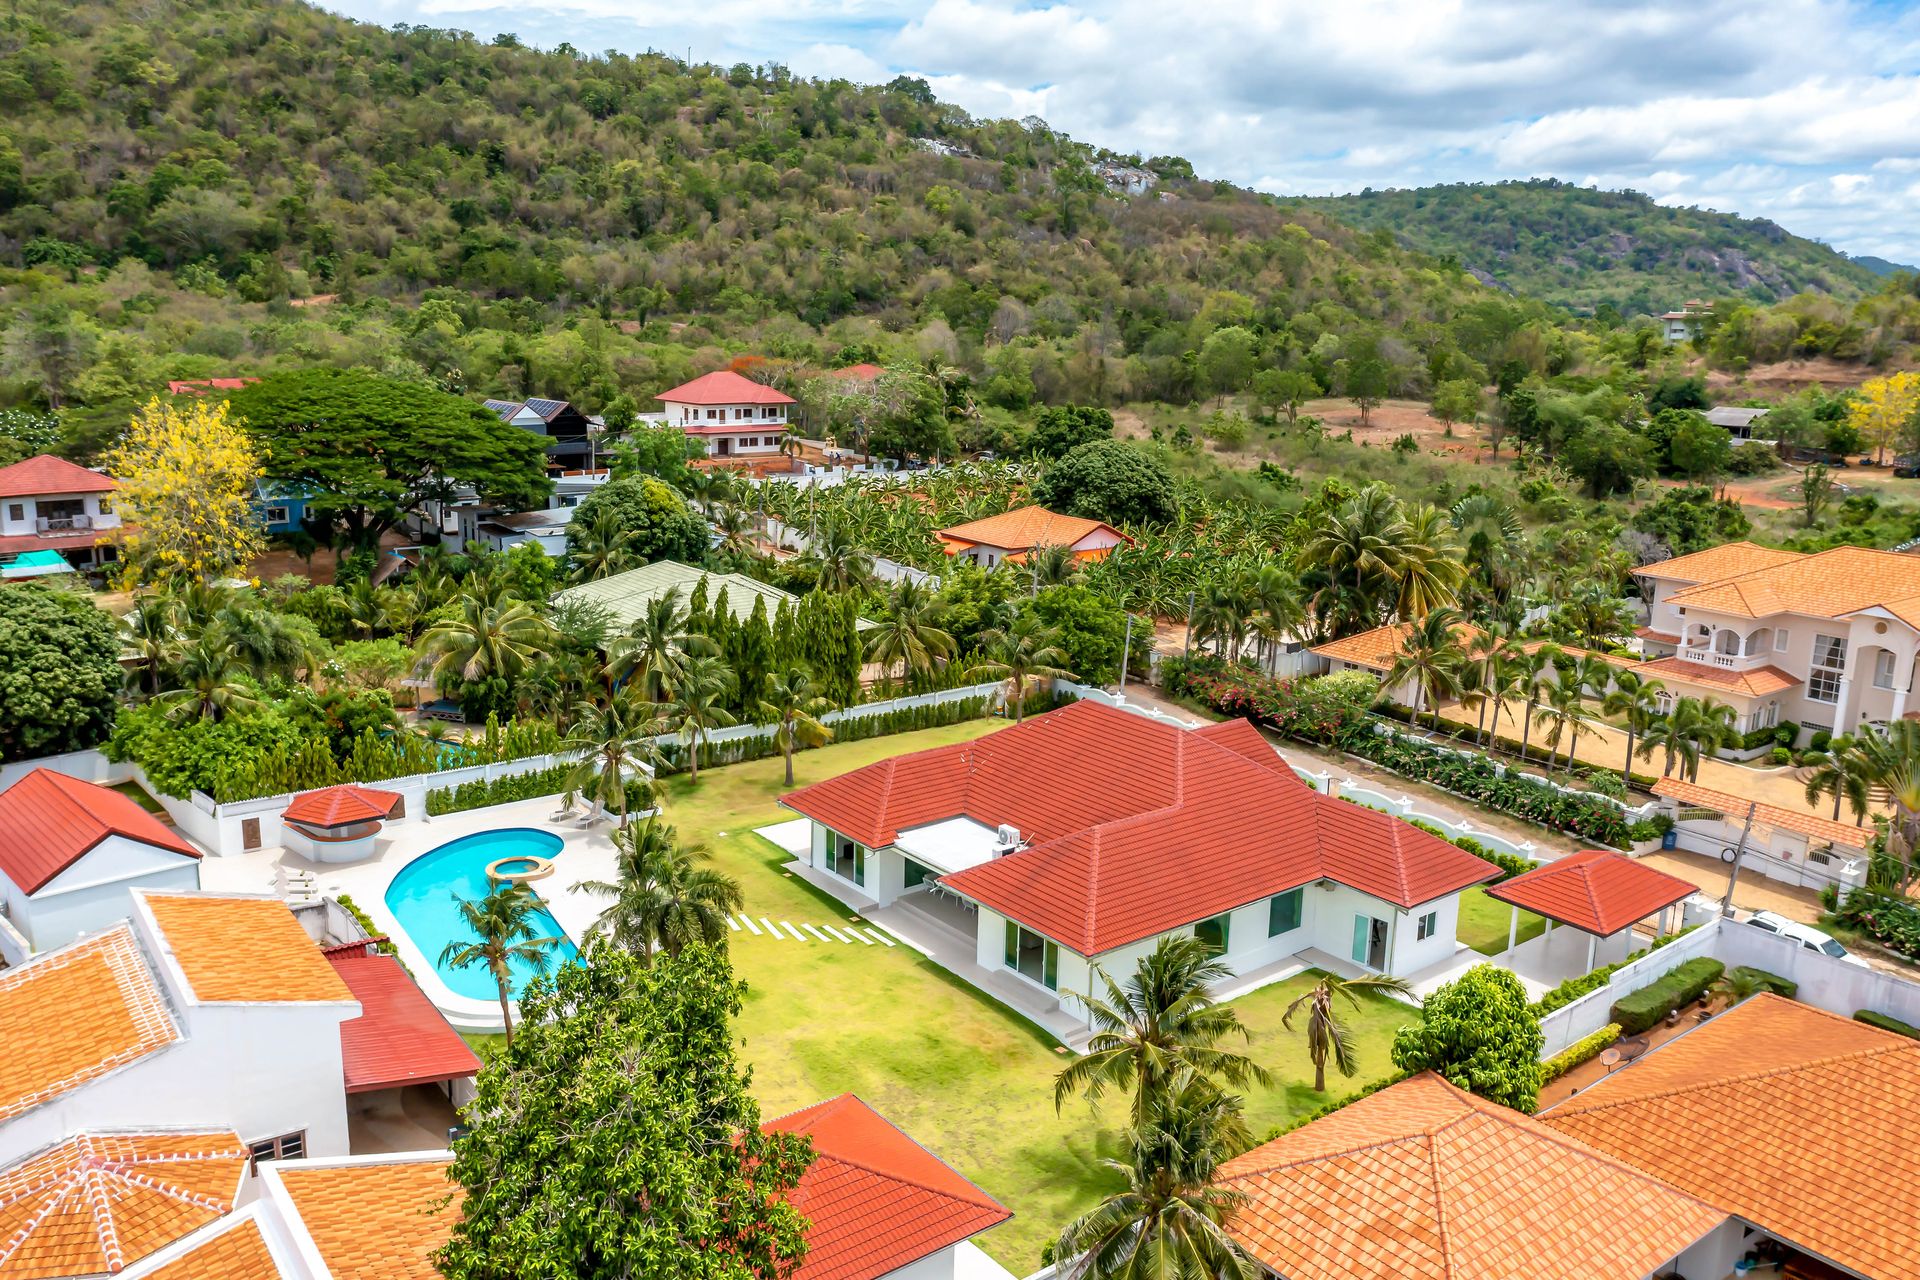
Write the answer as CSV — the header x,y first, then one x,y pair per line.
x,y
1579,1052
1780,755
519,786
1771,981
1639,1010
1786,733
1885,1023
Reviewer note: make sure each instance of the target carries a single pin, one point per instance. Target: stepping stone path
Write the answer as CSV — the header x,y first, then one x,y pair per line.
x,y
846,934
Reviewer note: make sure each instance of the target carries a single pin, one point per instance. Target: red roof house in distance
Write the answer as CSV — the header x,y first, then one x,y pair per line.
x,y
70,851
200,386
862,372
730,414
1085,835
879,1202
1013,535
50,504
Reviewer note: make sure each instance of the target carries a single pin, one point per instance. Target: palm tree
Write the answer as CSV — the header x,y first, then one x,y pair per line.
x,y
613,741
1562,717
1841,771
736,528
208,681
794,705
1052,566
1503,684
1737,985
1221,615
1431,659
1492,540
1534,675
1692,725
1430,568
906,633
664,899
696,704
598,548
1168,1221
838,562
269,643
485,641
656,648
1162,1025
506,927
1358,549
150,639
1483,649
1328,1036
1274,595
1890,762
1637,698
1025,649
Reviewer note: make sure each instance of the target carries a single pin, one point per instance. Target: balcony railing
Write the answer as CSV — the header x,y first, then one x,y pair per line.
x,y
1724,661
60,524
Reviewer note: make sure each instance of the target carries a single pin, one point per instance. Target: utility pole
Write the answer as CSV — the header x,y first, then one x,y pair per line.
x,y
1126,651
1739,851
1189,652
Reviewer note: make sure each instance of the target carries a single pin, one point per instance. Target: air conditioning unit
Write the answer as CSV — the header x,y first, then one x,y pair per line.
x,y
1005,839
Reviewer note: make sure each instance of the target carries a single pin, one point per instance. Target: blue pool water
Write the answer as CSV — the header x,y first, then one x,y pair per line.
x,y
423,898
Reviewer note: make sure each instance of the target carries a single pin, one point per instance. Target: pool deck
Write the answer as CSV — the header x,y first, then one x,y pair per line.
x,y
585,854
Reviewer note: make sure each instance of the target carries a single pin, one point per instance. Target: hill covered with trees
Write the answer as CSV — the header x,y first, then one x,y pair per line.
x,y
1587,249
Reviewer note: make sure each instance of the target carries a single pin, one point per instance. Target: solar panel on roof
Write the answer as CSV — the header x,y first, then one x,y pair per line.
x,y
546,408
505,408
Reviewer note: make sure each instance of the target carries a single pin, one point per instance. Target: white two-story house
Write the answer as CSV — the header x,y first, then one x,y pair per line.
x,y
50,504
1825,640
733,416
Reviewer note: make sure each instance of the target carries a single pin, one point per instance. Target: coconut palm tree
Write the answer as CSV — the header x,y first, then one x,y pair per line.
x,y
1430,569
1221,614
269,643
794,705
906,633
1737,985
1534,675
1431,659
1052,566
208,681
1278,615
837,559
1329,1038
1693,725
1025,649
150,639
485,641
1890,761
1482,649
1562,716
1161,1026
614,741
1168,1220
696,704
735,526
655,650
1638,699
1503,685
1358,549
664,899
1841,771
598,548
506,927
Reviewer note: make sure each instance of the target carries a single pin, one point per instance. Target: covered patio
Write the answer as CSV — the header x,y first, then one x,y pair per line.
x,y
1597,896
406,1070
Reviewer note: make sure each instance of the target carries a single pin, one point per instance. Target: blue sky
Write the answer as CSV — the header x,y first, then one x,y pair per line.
x,y
1803,111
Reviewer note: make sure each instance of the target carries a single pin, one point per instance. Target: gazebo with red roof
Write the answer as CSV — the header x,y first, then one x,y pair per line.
x,y
1597,892
337,824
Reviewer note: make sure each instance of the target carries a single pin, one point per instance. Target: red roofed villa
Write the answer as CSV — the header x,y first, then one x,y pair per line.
x,y
50,504
731,415
1013,535
1082,837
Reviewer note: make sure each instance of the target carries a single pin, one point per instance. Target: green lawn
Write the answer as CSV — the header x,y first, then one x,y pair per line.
x,y
1484,923
956,1070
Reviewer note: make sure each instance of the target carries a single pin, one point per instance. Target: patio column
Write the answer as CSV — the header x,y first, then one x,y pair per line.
x,y
1513,930
1593,943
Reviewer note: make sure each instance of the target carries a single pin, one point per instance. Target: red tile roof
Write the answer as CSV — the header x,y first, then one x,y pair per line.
x,y
1423,1181
47,474
200,386
1596,890
1134,826
857,372
875,1199
399,1037
1797,1120
49,821
724,386
1755,682
341,806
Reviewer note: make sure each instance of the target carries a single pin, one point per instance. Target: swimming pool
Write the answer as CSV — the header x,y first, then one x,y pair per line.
x,y
423,898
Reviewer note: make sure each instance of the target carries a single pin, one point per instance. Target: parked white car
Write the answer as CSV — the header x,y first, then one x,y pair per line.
x,y
1804,934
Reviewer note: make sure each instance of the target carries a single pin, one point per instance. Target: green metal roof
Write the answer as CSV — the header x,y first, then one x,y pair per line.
x,y
626,595
34,564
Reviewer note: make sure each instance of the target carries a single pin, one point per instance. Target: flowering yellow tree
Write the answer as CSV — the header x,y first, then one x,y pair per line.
x,y
1884,408
187,477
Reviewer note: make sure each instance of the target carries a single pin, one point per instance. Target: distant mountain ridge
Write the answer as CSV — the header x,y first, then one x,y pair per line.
x,y
1582,248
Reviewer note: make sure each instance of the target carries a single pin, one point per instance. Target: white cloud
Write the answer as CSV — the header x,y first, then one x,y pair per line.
x,y
1805,111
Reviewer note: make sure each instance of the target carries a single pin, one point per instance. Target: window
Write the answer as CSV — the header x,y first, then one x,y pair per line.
x,y
1033,956
1283,912
1214,932
288,1146
917,875
1823,685
275,515
1429,925
1829,668
1883,669
16,511
1780,638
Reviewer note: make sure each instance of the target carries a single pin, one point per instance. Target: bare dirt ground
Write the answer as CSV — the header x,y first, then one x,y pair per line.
x,y
1781,378
1387,422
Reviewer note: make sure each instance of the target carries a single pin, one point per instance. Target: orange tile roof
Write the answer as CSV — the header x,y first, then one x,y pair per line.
x,y
1755,682
876,1200
1798,1120
249,949
1597,890
237,1252
1102,795
1423,1181
1024,528
377,1221
75,1014
1725,561
1376,649
1658,637
341,806
1812,826
49,821
1827,584
98,1201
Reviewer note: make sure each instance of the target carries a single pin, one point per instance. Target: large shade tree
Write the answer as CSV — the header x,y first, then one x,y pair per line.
x,y
59,671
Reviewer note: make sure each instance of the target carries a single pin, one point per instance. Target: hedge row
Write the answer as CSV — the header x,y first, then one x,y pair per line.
x,y
1639,1010
514,787
1500,742
1771,981
1578,1053
1510,864
1885,1023
1573,988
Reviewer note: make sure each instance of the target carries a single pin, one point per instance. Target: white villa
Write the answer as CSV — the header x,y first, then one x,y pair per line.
x,y
1084,836
50,504
731,415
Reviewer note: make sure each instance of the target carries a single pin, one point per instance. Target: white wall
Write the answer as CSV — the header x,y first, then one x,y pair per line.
x,y
1580,1019
1411,953
1830,984
88,766
935,1266
92,894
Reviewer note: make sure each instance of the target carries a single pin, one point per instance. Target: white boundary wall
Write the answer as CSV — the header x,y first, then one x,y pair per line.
x,y
88,766
1576,1021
